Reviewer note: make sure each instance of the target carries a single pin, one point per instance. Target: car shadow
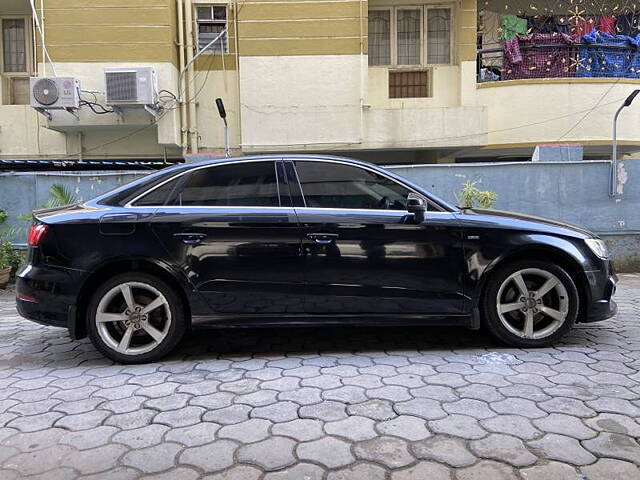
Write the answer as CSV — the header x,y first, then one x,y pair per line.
x,y
340,339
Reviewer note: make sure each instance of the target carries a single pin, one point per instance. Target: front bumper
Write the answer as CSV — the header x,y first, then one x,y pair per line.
x,y
602,285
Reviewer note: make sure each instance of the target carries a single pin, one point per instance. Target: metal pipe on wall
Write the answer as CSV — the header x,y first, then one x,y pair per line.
x,y
191,105
181,84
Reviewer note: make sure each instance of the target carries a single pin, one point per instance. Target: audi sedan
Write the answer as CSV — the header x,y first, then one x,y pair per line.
x,y
301,240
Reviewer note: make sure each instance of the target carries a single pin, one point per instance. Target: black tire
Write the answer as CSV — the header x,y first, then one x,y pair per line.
x,y
173,335
492,319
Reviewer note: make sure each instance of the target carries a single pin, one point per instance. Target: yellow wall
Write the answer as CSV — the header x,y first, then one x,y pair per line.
x,y
110,31
337,27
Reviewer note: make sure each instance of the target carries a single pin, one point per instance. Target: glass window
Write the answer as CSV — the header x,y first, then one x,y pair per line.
x,y
438,35
211,20
159,196
379,37
408,28
241,184
331,185
14,45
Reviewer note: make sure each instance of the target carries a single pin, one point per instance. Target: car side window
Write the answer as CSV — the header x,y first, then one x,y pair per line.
x,y
333,185
246,184
158,196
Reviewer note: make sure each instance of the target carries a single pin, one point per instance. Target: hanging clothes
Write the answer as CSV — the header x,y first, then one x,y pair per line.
x,y
601,55
510,26
607,25
537,56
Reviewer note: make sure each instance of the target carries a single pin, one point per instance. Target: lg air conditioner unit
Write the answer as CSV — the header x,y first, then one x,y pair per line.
x,y
56,93
130,86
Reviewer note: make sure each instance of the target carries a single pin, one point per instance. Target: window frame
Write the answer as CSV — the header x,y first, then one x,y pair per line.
x,y
197,21
7,97
424,47
433,206
182,177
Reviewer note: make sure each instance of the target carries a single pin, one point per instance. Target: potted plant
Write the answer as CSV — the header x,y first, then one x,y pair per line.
x,y
10,260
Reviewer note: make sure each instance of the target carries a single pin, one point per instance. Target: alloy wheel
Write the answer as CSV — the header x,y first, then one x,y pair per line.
x,y
532,303
133,318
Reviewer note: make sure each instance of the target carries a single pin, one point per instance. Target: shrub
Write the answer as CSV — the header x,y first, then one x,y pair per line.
x,y
470,196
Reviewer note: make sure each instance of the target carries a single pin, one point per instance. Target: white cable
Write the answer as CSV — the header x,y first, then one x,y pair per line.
x,y
44,46
180,92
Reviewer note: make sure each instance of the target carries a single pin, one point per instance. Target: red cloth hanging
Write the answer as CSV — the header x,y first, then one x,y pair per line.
x,y
608,25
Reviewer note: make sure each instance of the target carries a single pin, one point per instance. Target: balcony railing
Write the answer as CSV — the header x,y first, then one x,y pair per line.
x,y
547,56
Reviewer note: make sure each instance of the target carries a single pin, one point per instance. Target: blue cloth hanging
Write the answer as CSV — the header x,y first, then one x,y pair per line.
x,y
598,56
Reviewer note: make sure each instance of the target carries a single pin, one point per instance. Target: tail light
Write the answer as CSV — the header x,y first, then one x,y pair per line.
x,y
37,234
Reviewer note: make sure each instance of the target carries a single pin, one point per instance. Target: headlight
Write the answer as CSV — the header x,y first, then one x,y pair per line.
x,y
598,247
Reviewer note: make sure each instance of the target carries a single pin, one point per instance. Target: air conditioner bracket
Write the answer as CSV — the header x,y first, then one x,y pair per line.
x,y
151,110
44,112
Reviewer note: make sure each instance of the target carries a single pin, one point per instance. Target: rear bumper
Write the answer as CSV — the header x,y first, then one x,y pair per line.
x,y
602,285
46,294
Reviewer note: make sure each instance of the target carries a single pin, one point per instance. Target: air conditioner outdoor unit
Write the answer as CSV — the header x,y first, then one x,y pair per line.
x,y
56,93
130,86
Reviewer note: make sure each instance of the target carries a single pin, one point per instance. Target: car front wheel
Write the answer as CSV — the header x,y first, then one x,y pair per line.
x,y
135,318
530,303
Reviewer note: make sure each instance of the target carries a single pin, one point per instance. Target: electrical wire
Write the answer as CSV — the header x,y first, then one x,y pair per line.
x,y
604,95
39,28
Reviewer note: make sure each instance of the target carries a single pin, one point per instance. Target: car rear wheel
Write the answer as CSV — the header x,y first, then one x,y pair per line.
x,y
530,303
135,318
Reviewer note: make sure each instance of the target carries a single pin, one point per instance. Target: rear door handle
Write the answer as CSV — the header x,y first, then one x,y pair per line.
x,y
190,238
323,238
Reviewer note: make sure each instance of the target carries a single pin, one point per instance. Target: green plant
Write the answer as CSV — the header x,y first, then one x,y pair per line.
x,y
3,216
471,196
59,196
9,257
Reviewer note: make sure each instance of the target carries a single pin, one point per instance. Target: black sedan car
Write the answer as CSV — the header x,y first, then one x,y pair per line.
x,y
301,240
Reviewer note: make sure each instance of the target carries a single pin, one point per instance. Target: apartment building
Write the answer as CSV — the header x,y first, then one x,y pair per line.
x,y
392,81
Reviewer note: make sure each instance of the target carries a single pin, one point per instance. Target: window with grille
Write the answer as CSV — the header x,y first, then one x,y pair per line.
x,y
379,37
14,45
439,35
211,20
410,36
409,84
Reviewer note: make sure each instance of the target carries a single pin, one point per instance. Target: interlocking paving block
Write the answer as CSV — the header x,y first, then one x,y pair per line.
x,y
270,454
614,445
550,471
354,428
153,459
302,429
564,449
306,471
448,450
252,430
503,448
388,451
327,451
608,468
361,471
430,470
211,457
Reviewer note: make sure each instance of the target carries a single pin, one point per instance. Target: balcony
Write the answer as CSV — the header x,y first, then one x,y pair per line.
x,y
560,56
547,40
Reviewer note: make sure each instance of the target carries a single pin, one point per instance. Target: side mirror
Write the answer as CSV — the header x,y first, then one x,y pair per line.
x,y
417,206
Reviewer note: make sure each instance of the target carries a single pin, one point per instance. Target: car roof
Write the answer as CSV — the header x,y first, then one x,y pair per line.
x,y
288,156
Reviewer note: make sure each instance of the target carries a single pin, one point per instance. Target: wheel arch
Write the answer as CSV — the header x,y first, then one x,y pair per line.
x,y
546,253
77,327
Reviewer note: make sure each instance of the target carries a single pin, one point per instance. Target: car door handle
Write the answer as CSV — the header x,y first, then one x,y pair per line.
x,y
323,238
190,238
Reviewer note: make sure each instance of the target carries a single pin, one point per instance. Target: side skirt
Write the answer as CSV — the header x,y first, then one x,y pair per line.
x,y
302,320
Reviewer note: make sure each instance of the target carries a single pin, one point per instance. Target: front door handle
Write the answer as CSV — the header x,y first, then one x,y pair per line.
x,y
323,238
190,238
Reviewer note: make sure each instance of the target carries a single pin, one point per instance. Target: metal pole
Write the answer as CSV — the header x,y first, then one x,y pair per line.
x,y
226,138
613,177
